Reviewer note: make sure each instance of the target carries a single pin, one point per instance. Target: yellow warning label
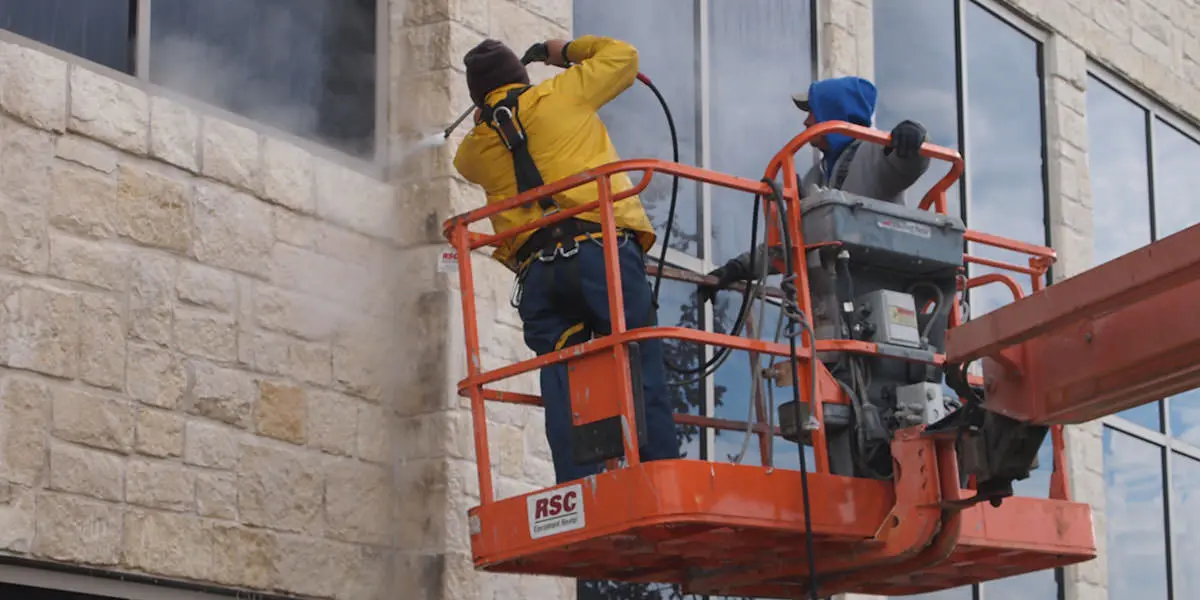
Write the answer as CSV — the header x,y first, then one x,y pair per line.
x,y
901,316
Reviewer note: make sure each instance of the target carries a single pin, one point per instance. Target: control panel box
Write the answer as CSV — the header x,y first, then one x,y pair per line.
x,y
892,317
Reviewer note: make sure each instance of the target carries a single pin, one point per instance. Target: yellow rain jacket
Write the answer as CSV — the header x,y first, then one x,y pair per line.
x,y
565,136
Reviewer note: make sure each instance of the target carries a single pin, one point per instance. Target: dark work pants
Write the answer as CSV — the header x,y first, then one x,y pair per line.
x,y
565,302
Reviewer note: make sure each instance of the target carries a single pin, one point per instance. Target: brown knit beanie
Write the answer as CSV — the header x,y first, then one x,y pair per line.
x,y
490,65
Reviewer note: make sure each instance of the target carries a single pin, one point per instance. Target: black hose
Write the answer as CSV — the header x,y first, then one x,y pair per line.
x,y
744,311
662,257
793,313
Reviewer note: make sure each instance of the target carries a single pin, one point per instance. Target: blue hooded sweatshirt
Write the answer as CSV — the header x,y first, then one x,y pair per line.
x,y
850,99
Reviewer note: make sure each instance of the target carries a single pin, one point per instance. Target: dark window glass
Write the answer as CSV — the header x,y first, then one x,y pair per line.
x,y
1119,171
1004,166
98,30
916,73
1185,417
1185,525
678,308
23,592
1136,536
1006,196
759,55
304,66
664,33
1176,179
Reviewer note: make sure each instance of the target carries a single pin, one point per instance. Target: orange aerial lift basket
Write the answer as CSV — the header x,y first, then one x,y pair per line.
x,y
740,530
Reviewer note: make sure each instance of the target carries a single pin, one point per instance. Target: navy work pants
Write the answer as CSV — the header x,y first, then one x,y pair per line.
x,y
565,302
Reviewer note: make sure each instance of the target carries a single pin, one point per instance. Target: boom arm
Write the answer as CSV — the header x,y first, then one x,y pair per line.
x,y
1117,336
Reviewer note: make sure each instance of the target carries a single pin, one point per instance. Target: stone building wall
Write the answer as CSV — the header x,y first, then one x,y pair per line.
x,y
227,356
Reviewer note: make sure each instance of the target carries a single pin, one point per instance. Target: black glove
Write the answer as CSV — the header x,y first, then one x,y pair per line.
x,y
907,138
535,53
725,274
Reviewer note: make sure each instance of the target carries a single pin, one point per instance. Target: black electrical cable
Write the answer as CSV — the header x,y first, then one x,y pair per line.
x,y
793,314
662,257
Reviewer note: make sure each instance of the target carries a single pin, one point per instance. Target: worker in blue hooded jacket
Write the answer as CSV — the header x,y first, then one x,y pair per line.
x,y
856,167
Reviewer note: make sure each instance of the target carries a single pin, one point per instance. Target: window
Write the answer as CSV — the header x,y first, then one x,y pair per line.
x,y
973,78
665,35
307,67
1142,167
727,69
98,30
1135,523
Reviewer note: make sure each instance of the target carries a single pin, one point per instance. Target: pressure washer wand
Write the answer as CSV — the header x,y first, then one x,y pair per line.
x,y
536,52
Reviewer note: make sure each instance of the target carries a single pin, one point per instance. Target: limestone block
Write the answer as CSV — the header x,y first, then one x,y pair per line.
x,y
210,445
243,557
174,133
325,568
207,287
281,412
18,517
434,435
430,203
357,499
423,571
321,276
222,394
87,152
557,11
33,87
155,376
472,13
23,237
99,264
77,530
279,489
216,495
294,314
93,420
102,342
24,426
363,360
82,201
26,155
159,433
230,154
171,544
40,330
355,201
151,309
288,175
310,362
263,351
110,111
422,498
232,230
152,207
86,472
512,450
164,485
519,28
332,422
206,334
373,440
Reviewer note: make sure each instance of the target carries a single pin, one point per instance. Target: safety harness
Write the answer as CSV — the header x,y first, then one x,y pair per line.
x,y
562,238
548,243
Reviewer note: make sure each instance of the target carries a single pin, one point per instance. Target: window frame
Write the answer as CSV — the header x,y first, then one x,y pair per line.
x,y
1041,38
375,165
1166,443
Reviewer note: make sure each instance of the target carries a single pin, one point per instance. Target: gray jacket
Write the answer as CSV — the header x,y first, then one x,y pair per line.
x,y
862,169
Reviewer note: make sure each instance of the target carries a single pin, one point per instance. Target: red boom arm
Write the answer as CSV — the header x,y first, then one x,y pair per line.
x,y
1117,336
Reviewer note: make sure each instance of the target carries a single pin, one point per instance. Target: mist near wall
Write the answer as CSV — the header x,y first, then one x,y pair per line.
x,y
304,66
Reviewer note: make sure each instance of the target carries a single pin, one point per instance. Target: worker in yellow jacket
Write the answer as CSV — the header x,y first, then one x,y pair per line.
x,y
527,135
